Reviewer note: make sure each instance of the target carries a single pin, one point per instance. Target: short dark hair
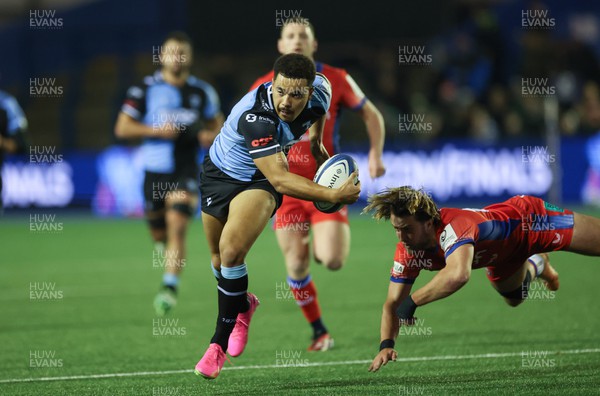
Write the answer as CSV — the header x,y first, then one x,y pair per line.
x,y
300,21
295,66
180,37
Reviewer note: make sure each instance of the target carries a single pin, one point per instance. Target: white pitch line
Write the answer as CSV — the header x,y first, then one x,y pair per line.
x,y
316,364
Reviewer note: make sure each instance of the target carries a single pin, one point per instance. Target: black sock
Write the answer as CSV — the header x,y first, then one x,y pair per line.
x,y
232,298
244,305
318,328
170,287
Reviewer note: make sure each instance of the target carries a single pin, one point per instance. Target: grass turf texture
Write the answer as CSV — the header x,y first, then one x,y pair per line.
x,y
104,321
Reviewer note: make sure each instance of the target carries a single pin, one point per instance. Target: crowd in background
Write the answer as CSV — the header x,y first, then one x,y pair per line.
x,y
474,86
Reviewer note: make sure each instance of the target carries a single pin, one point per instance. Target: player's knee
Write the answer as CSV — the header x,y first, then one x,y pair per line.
x,y
157,223
296,265
215,259
333,264
297,268
232,254
517,296
513,302
183,208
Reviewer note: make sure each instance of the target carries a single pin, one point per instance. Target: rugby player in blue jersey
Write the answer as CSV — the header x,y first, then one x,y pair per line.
x,y
13,126
173,113
244,178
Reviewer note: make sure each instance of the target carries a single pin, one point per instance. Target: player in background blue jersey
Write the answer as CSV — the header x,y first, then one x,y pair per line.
x,y
13,126
173,113
244,178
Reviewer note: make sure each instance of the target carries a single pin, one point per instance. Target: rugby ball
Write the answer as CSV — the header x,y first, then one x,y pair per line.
x,y
332,174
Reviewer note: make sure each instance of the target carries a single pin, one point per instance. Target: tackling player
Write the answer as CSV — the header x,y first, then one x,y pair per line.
x,y
331,232
173,112
243,179
510,239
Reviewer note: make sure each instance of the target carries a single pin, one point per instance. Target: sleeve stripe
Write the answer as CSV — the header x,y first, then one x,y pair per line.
x,y
130,111
457,245
263,149
360,105
402,280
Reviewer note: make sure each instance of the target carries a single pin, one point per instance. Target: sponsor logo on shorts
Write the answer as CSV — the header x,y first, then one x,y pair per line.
x,y
557,238
553,208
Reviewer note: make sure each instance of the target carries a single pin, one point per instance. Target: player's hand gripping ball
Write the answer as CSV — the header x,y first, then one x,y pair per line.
x,y
332,174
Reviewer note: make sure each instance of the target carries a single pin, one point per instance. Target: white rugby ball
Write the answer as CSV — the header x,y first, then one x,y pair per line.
x,y
332,174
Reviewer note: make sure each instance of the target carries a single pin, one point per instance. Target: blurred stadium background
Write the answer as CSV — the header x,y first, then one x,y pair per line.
x,y
464,124
504,100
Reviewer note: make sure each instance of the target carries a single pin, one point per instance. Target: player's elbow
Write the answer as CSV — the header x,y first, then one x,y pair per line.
x,y
370,112
122,127
280,180
120,130
458,279
279,183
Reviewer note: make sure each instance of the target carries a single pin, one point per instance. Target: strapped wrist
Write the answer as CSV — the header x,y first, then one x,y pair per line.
x,y
407,308
389,343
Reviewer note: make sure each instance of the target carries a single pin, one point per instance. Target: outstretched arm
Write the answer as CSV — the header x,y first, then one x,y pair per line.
x,y
452,277
128,127
376,130
390,324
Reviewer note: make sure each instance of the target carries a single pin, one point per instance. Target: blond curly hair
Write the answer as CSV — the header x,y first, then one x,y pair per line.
x,y
402,201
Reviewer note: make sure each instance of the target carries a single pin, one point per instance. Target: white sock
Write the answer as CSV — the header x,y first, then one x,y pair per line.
x,y
159,246
538,263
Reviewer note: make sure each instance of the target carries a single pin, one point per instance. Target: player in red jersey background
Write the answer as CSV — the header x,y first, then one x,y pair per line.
x,y
510,238
331,232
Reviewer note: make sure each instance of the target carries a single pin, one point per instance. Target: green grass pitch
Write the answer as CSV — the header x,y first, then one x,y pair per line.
x,y
78,302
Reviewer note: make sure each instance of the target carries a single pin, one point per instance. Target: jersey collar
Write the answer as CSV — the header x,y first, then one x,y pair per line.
x,y
269,87
158,76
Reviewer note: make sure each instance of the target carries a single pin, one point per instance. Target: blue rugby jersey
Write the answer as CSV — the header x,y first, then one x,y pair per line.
x,y
12,120
156,102
254,130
